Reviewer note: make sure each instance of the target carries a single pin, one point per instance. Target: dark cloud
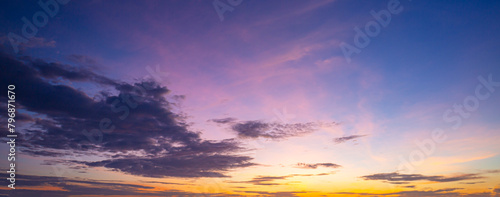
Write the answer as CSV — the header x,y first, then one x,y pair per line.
x,y
396,178
164,183
177,166
223,120
346,138
316,165
130,124
20,117
56,70
272,130
409,186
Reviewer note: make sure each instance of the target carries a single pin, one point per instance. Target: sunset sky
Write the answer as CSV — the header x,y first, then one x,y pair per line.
x,y
252,98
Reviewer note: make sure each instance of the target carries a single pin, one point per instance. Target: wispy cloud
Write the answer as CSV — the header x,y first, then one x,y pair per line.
x,y
414,193
273,130
270,180
34,42
472,183
346,138
397,178
316,165
279,194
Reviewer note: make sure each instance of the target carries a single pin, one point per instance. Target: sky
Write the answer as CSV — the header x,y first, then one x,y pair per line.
x,y
251,98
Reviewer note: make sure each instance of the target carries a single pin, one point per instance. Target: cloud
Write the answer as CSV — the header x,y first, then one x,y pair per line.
x,y
265,180
269,180
396,178
346,138
280,194
472,183
86,187
126,124
177,166
316,165
492,171
35,42
415,193
409,186
273,130
164,183
53,71
223,120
